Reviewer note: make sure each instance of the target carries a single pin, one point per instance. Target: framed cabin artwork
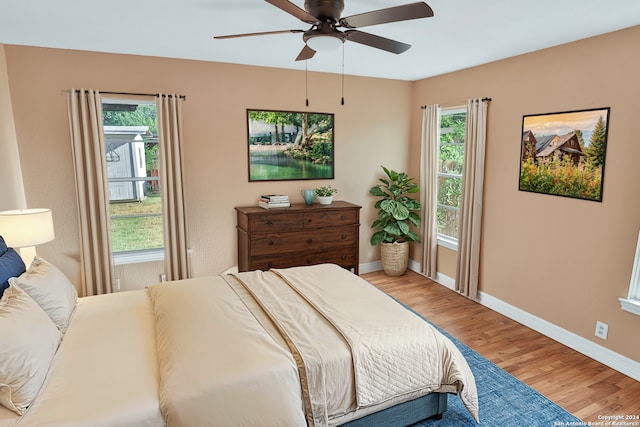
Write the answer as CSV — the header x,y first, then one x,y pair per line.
x,y
290,145
563,154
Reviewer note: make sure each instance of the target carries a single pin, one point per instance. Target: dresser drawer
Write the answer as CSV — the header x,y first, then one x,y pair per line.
x,y
344,256
275,223
330,218
305,241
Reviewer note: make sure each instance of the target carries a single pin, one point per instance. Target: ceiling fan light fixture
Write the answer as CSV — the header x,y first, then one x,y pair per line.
x,y
324,43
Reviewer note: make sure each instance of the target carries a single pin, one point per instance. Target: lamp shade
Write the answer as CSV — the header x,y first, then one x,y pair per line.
x,y
26,227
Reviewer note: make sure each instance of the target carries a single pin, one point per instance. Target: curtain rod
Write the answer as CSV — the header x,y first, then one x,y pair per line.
x,y
141,94
483,99
135,94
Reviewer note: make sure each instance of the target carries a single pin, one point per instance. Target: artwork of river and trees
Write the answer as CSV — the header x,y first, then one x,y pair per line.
x,y
287,145
563,154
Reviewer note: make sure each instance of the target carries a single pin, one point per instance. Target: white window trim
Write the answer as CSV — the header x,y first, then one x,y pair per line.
x,y
632,302
447,242
630,305
455,109
132,257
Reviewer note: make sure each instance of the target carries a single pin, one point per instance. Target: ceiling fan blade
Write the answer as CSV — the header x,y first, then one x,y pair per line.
x,y
376,41
392,14
305,53
264,33
294,10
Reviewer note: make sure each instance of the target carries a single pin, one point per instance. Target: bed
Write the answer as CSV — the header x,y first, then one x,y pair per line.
x,y
286,347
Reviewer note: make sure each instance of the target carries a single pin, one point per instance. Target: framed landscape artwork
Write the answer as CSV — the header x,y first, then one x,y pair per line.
x,y
563,154
289,145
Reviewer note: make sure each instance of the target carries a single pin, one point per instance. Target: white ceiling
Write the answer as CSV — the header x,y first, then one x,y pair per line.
x,y
462,34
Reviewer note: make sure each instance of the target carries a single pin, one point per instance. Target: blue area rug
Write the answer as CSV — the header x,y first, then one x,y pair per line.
x,y
504,400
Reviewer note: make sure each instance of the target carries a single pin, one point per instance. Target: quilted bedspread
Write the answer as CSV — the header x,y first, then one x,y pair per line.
x,y
393,351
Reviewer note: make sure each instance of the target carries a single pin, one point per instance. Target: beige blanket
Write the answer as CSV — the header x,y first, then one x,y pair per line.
x,y
393,351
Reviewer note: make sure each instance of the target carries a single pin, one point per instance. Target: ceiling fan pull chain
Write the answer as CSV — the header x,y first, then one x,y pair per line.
x,y
306,80
342,100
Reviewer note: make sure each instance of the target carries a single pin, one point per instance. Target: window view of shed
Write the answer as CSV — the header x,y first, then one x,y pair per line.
x,y
131,144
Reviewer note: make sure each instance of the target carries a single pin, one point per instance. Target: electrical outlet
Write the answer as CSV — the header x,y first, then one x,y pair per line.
x,y
601,330
163,277
117,285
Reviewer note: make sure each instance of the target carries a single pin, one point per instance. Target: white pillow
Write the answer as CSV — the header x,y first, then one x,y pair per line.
x,y
50,288
29,342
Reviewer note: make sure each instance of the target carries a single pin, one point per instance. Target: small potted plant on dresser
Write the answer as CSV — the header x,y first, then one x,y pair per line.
x,y
397,213
325,194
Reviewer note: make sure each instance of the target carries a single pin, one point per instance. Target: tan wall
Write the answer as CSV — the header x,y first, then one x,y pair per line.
x,y
373,127
564,260
12,193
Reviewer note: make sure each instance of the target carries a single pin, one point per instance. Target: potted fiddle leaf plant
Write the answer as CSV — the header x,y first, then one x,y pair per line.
x,y
398,214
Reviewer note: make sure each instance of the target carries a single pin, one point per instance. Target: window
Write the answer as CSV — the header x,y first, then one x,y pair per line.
x,y
449,174
131,141
632,302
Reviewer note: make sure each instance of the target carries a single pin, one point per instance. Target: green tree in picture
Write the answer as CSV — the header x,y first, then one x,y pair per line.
x,y
580,137
596,150
313,139
277,119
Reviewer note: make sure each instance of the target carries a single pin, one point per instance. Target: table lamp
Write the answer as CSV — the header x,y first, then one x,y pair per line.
x,y
26,228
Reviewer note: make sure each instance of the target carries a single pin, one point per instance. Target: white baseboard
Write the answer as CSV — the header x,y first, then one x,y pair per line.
x,y
446,281
370,267
595,351
582,345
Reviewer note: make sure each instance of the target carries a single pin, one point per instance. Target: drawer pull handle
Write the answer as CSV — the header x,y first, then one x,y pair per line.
x,y
310,241
343,257
270,265
344,236
343,217
308,260
310,221
270,242
270,222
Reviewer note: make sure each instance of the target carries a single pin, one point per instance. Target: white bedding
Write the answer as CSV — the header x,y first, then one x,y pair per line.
x,y
206,352
218,366
105,372
248,376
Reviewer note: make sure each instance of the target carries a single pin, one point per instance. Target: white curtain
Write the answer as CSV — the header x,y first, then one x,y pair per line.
x,y
87,139
429,186
471,206
176,259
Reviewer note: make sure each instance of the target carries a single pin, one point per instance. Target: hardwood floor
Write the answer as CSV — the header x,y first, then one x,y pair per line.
x,y
586,388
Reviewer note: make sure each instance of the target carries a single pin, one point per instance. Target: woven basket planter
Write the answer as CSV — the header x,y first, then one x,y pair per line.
x,y
394,257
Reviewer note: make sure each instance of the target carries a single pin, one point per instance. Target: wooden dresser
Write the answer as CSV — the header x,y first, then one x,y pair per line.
x,y
299,235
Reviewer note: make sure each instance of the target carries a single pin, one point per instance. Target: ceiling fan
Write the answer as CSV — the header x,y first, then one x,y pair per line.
x,y
324,18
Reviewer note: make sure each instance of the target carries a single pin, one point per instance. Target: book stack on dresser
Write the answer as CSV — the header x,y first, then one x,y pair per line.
x,y
274,201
